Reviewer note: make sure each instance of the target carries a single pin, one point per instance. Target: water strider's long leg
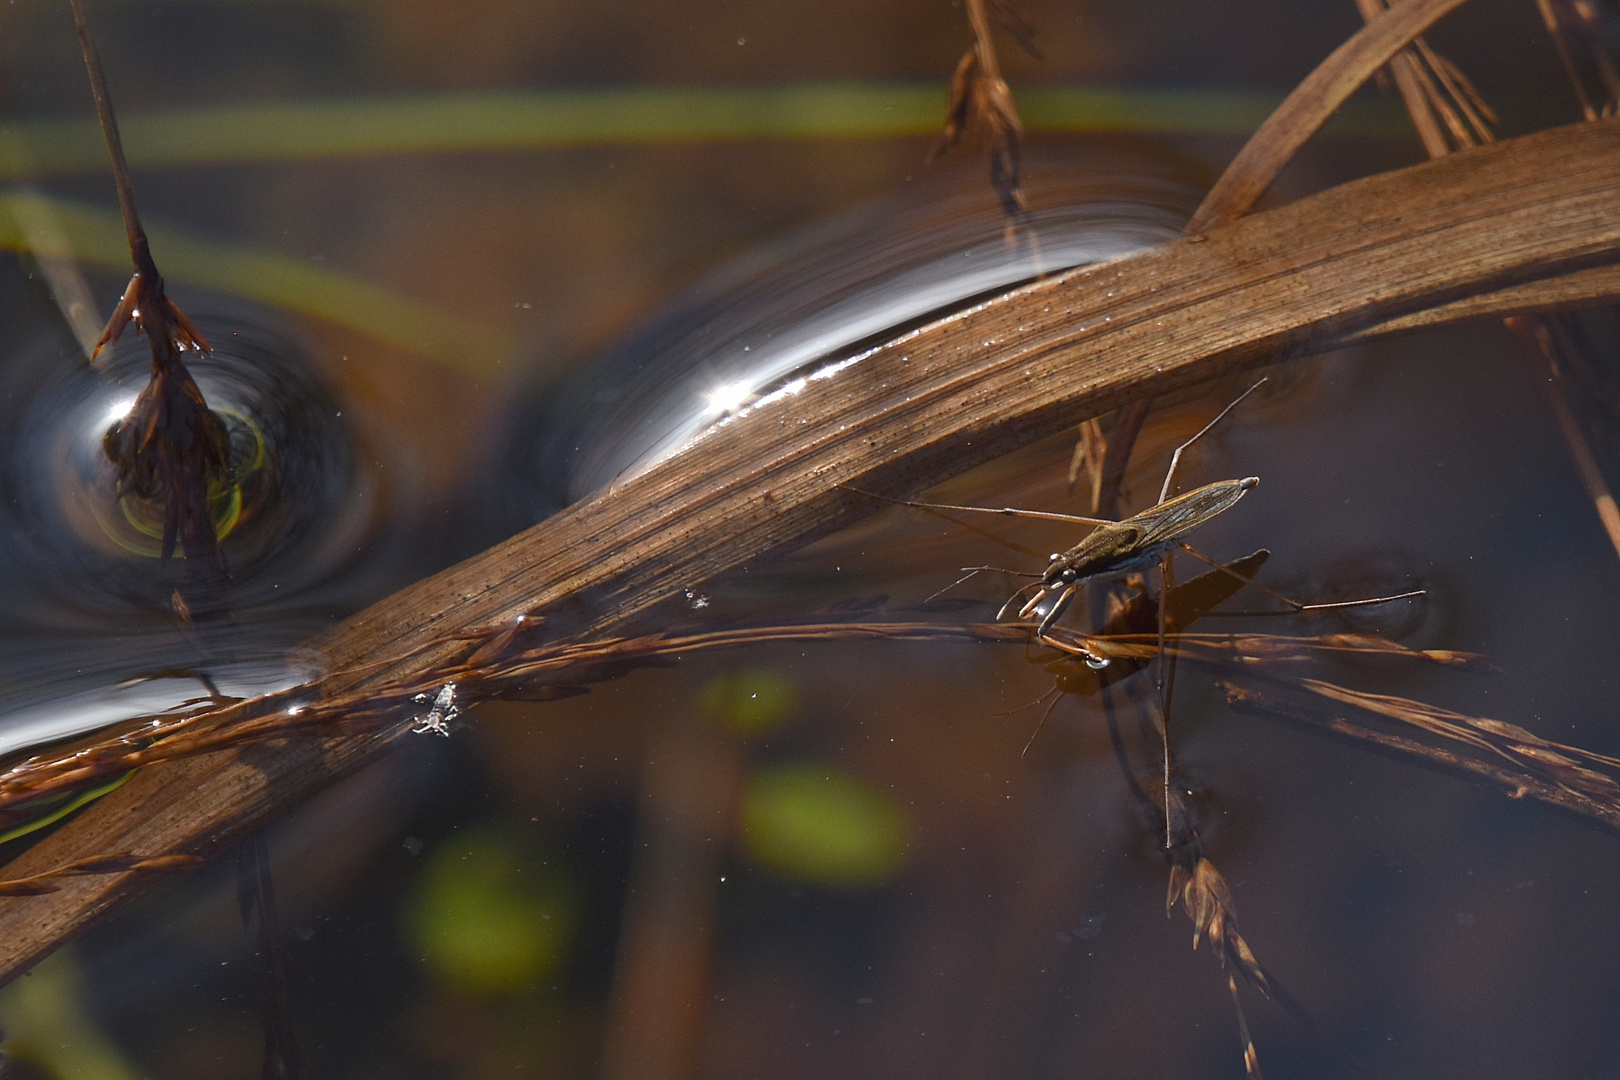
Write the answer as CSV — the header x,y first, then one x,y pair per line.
x,y
1046,714
1166,673
1003,511
970,571
1121,754
1295,606
1175,458
1166,666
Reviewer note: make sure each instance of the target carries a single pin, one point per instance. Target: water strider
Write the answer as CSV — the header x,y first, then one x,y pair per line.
x,y
1114,549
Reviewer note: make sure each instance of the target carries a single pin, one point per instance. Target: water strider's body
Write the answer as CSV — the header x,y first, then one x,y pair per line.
x,y
1120,547
1115,548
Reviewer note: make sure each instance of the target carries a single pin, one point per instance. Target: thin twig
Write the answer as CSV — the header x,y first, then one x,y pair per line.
x,y
170,446
109,130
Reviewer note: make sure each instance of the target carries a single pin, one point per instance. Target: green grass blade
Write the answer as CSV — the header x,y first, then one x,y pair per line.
x,y
539,119
95,237
82,798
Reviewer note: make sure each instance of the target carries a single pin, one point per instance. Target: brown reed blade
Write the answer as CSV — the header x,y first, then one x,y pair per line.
x,y
1473,114
1431,87
1584,288
123,863
1264,649
942,399
910,414
1403,72
1509,779
562,666
1568,766
1299,117
1577,34
1090,451
1308,107
1446,110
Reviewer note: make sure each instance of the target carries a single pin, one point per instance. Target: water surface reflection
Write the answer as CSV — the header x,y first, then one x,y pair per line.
x,y
826,860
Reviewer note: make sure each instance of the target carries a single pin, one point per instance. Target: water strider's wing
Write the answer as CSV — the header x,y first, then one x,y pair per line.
x,y
1175,518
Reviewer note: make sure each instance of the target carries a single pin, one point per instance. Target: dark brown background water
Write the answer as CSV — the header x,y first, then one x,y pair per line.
x,y
1428,927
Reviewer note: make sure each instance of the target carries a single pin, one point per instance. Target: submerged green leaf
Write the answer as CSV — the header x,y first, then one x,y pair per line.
x,y
486,916
48,1024
818,823
750,701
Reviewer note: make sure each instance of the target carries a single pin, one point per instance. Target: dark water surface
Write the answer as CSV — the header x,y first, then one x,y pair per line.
x,y
811,860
